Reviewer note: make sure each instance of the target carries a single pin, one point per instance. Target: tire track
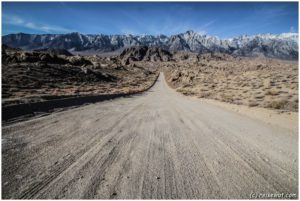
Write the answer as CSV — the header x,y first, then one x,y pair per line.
x,y
238,152
55,172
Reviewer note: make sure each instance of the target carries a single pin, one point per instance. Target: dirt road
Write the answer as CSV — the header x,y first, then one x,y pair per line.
x,y
159,144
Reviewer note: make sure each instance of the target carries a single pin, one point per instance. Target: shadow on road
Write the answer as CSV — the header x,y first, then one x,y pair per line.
x,y
14,112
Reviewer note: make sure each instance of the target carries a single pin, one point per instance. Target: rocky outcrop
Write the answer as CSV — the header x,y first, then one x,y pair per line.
x,y
144,53
13,55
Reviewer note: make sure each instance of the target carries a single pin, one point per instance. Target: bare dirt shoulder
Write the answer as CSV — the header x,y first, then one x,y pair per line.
x,y
283,119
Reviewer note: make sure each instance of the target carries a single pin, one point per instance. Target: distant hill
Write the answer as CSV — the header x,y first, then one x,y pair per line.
x,y
283,46
145,53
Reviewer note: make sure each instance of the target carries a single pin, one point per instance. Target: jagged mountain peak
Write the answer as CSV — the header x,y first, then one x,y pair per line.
x,y
189,32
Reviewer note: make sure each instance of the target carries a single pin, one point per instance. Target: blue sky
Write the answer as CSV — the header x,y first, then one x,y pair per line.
x,y
220,19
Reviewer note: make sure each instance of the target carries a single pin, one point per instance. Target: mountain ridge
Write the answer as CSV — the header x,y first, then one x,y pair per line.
x,y
283,46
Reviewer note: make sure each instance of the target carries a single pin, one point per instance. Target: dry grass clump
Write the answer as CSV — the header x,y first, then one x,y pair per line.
x,y
253,104
272,92
278,104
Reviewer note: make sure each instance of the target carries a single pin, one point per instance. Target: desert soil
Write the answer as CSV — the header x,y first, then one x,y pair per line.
x,y
254,82
156,145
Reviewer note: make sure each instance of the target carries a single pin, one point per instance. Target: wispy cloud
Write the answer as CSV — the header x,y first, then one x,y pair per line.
x,y
292,29
168,24
206,25
273,12
183,26
169,27
15,20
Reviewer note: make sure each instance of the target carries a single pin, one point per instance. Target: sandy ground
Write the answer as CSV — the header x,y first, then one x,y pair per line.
x,y
284,119
157,145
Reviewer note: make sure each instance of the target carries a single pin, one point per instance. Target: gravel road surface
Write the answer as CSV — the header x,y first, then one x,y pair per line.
x,y
156,145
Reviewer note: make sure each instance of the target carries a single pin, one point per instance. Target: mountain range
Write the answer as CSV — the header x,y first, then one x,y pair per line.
x,y
283,46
